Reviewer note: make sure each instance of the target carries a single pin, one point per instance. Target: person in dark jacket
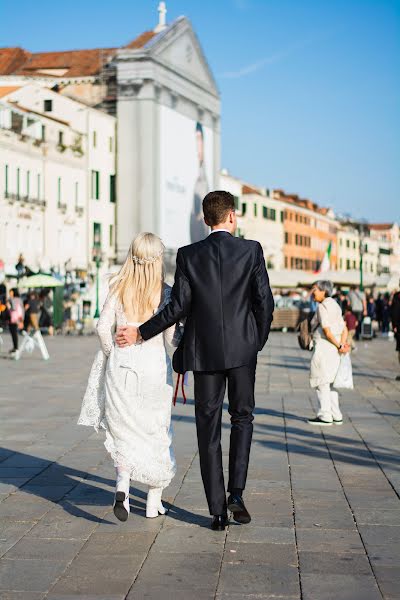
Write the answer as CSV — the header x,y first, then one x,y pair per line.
x,y
16,316
371,308
222,289
386,310
395,315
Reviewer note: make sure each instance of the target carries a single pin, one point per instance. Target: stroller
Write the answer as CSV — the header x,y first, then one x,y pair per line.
x,y
366,329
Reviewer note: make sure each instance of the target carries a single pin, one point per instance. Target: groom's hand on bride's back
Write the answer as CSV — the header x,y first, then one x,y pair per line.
x,y
127,336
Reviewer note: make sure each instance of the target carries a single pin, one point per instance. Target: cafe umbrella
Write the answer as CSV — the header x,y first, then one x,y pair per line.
x,y
39,281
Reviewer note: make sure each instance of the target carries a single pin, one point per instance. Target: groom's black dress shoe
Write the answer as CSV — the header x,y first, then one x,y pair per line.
x,y
219,522
238,509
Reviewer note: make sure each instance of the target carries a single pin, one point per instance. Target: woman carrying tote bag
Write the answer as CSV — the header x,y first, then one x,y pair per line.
x,y
330,335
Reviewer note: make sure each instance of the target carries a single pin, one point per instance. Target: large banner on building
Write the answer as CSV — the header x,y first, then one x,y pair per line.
x,y
186,176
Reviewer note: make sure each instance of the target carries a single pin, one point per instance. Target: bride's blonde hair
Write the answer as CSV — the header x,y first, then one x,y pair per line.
x,y
140,280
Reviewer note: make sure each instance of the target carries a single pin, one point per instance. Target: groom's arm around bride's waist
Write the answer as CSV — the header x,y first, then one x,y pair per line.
x,y
177,308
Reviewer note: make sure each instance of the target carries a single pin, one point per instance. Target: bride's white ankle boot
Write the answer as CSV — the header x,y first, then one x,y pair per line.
x,y
121,502
154,506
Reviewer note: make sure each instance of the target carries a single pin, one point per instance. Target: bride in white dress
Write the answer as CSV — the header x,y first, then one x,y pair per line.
x,y
130,389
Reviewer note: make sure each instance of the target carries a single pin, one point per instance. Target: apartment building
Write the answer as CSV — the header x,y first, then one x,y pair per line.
x,y
57,179
386,237
309,230
164,95
353,237
260,217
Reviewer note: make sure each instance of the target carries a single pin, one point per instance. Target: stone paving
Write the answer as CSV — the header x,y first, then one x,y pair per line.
x,y
325,503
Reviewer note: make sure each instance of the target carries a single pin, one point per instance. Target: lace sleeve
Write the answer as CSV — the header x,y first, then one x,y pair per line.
x,y
106,324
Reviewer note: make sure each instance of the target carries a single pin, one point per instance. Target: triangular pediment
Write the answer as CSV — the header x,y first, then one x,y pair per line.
x,y
179,47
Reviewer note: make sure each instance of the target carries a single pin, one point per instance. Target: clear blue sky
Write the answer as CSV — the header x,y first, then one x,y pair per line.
x,y
310,88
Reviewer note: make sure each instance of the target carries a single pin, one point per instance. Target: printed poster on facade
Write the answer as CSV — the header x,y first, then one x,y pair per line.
x,y
186,176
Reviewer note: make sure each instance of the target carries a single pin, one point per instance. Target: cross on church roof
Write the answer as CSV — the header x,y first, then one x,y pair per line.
x,y
162,17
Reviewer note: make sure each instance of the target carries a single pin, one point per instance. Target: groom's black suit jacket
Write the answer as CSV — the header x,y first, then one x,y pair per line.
x,y
222,288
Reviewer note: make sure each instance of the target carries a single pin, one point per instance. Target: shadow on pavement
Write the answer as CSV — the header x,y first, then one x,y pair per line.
x,y
309,441
72,489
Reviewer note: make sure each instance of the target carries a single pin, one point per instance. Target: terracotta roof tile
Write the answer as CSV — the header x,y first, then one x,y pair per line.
x,y
71,63
8,89
300,202
76,63
247,189
380,226
141,40
11,59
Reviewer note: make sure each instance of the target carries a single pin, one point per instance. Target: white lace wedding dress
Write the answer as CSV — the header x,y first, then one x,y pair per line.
x,y
129,394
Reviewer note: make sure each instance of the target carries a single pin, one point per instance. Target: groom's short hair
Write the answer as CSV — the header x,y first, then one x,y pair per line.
x,y
217,206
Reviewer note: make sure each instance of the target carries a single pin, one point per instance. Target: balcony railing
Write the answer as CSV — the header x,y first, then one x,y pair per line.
x,y
76,148
38,202
13,197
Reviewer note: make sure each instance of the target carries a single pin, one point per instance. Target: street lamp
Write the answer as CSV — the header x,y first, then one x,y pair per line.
x,y
362,228
97,260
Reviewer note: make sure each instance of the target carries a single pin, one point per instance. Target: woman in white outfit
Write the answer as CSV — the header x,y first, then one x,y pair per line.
x,y
130,389
330,335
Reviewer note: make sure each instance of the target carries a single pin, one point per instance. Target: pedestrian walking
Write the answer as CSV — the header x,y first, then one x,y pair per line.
x,y
16,318
386,313
33,304
222,289
330,341
351,323
358,304
341,299
343,302
3,293
46,315
20,266
379,310
130,389
371,308
395,315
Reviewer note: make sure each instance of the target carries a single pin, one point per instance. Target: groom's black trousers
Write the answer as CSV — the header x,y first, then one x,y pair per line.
x,y
209,392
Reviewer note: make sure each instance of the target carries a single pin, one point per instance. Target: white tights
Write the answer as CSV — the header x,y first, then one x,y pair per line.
x,y
328,403
123,480
154,506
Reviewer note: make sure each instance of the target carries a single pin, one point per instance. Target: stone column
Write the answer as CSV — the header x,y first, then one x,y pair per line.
x,y
128,165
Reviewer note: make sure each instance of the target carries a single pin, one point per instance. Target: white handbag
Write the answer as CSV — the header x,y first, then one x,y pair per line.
x,y
344,376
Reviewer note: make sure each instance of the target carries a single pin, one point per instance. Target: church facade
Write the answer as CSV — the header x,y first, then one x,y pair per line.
x,y
168,119
163,93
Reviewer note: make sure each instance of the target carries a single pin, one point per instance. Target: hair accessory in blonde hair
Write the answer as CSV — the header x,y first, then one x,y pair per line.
x,y
150,260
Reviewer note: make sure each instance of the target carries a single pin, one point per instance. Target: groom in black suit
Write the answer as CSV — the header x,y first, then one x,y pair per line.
x,y
222,289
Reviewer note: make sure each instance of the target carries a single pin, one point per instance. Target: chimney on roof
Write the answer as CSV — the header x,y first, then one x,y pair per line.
x,y
162,17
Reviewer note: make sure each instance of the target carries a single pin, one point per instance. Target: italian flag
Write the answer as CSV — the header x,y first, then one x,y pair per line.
x,y
326,261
